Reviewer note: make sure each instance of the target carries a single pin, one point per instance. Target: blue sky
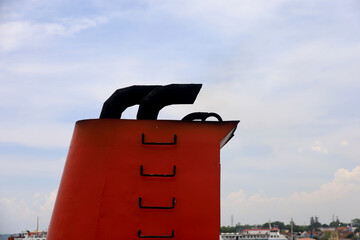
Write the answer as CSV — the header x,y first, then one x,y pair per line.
x,y
289,70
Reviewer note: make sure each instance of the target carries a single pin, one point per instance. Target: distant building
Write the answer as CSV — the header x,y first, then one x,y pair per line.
x,y
342,229
327,229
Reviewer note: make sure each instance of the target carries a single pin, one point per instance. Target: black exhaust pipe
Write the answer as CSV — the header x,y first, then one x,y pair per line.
x,y
123,98
160,97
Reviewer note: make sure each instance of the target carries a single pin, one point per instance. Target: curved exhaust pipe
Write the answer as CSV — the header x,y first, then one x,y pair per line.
x,y
160,97
123,98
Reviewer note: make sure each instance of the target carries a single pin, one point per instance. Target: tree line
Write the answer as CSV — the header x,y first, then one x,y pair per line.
x,y
313,226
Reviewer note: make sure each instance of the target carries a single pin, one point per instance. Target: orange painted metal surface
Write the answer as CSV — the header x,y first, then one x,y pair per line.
x,y
107,171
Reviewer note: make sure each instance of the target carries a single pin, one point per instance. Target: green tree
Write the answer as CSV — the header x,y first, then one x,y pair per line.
x,y
350,235
314,223
337,223
355,237
296,228
325,236
277,224
227,229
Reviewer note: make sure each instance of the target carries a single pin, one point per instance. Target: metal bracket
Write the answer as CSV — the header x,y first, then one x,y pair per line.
x,y
154,207
157,143
143,236
157,175
201,116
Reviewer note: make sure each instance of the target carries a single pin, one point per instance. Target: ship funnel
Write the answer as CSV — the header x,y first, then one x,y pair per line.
x,y
143,178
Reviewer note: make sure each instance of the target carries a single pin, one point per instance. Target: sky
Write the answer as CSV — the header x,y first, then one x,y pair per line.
x,y
288,70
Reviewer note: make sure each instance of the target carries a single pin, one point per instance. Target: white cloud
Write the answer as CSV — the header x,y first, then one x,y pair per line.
x,y
25,166
17,34
324,62
318,148
17,215
41,135
77,25
226,17
340,196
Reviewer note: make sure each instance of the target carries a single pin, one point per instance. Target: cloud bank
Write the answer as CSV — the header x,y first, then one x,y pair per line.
x,y
339,197
15,212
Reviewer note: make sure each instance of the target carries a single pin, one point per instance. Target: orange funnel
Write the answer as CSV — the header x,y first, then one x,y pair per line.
x,y
132,179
